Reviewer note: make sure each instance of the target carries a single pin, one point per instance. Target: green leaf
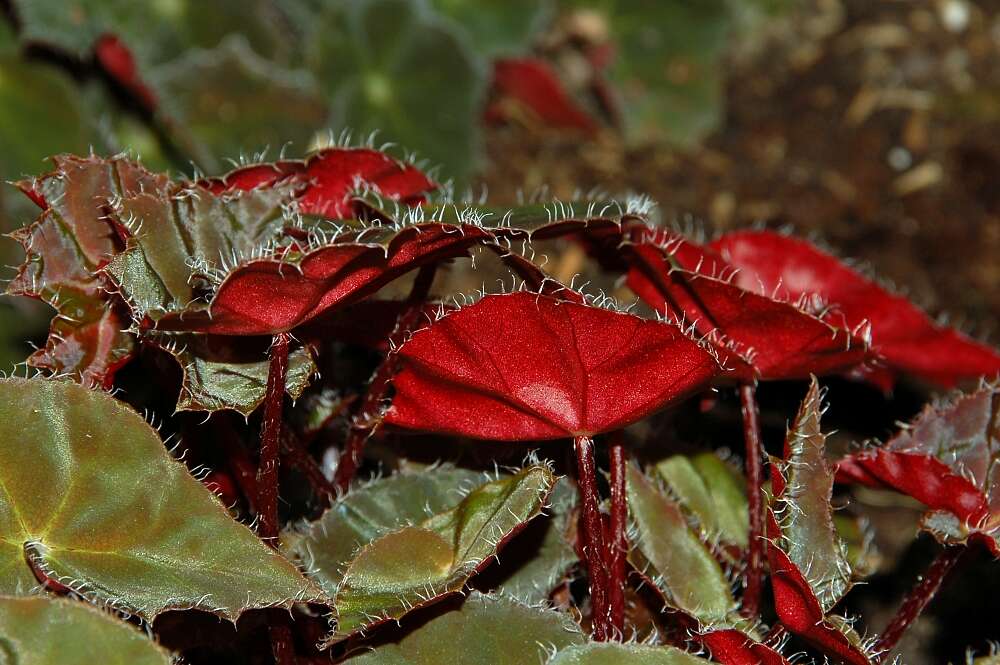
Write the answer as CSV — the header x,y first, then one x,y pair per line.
x,y
48,631
394,67
610,653
534,580
421,562
485,631
223,373
498,27
713,493
808,535
228,100
93,499
669,552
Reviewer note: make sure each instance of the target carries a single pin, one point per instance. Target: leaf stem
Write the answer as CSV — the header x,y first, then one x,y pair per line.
x,y
755,499
618,545
917,599
366,421
270,439
295,454
593,532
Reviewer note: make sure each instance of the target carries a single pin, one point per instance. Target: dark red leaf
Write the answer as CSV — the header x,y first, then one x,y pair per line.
x,y
908,340
732,647
947,459
527,366
534,85
117,61
331,177
757,337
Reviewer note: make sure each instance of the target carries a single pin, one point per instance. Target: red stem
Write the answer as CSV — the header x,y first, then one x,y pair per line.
x,y
242,468
295,454
619,545
367,420
755,499
270,439
917,599
593,532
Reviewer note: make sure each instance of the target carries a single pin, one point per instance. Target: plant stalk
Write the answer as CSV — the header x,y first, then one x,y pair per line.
x,y
917,599
619,544
366,420
270,441
294,453
754,453
593,532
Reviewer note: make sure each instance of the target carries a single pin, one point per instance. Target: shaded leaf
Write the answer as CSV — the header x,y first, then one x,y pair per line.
x,y
946,459
713,492
526,366
810,572
497,27
131,527
532,85
485,631
905,337
756,336
427,559
64,248
610,653
48,631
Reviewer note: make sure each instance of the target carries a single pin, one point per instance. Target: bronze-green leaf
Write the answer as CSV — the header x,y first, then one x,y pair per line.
x,y
486,630
41,630
713,493
610,653
92,499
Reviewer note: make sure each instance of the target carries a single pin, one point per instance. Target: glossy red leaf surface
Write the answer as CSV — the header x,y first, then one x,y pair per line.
x,y
331,177
525,366
947,459
732,647
757,336
268,296
64,248
906,338
117,61
534,85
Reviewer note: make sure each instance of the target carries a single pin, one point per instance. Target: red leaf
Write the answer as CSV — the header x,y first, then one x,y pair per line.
x,y
331,177
117,61
268,296
532,84
527,366
757,337
947,460
907,339
731,647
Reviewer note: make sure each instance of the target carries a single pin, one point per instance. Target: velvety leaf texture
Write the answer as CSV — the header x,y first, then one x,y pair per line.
x,y
810,572
420,563
49,631
946,459
471,634
128,526
906,338
526,366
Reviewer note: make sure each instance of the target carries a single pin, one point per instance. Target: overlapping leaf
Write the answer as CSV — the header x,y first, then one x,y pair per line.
x,y
757,336
810,571
485,631
64,248
434,554
610,653
48,631
92,500
949,460
906,338
526,366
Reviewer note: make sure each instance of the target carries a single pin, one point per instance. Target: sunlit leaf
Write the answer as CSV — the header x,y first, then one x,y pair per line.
x,y
526,366
48,631
485,631
397,570
129,526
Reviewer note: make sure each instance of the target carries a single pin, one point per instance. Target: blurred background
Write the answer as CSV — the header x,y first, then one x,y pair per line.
x,y
873,124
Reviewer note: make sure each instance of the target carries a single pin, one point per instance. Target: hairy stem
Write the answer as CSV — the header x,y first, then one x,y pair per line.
x,y
917,599
367,420
618,545
593,533
242,468
270,440
295,454
755,499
